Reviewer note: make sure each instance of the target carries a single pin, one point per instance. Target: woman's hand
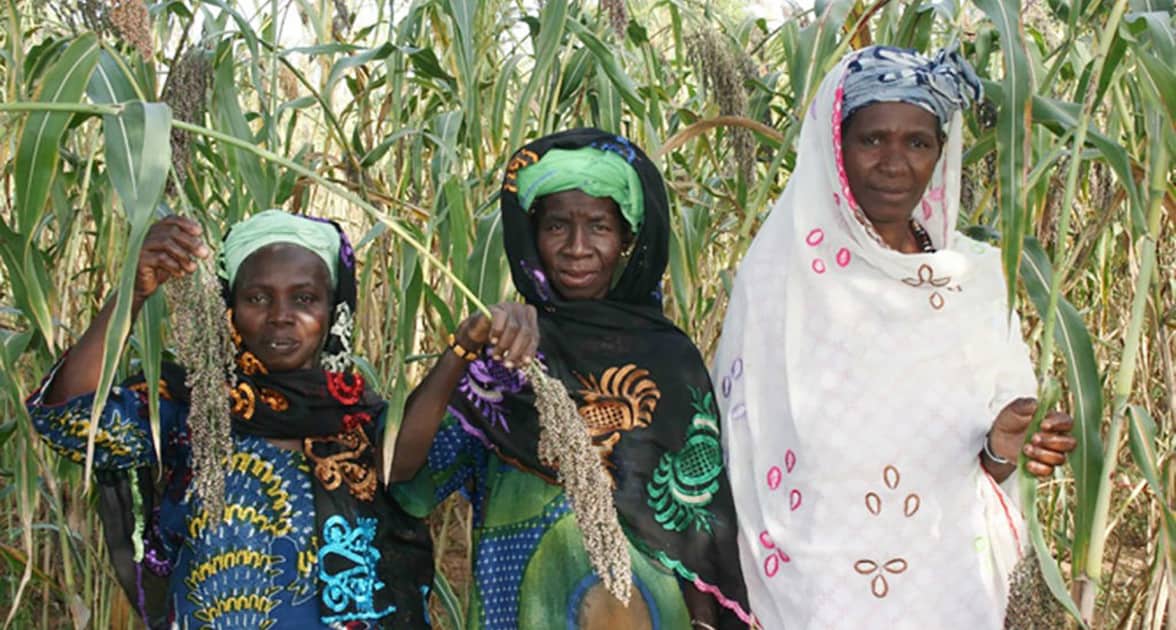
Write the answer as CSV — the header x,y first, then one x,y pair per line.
x,y
170,251
1045,450
512,330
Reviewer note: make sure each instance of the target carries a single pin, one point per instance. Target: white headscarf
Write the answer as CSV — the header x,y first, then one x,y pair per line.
x,y
857,384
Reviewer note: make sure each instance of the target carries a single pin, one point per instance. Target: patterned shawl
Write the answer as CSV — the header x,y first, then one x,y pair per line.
x,y
640,384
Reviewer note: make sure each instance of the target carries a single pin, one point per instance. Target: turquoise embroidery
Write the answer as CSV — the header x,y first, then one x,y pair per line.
x,y
684,483
356,585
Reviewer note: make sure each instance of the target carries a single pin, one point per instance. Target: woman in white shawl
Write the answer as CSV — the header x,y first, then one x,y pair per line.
x,y
876,392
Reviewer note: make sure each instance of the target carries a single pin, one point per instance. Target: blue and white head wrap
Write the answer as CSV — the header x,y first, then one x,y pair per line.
x,y
885,74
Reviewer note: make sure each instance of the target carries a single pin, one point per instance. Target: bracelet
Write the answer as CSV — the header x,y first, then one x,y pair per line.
x,y
989,454
696,623
466,355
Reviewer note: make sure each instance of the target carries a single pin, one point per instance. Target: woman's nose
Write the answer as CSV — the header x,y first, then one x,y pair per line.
x,y
891,161
280,311
577,244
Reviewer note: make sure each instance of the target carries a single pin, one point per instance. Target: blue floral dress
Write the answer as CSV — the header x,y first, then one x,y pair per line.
x,y
258,568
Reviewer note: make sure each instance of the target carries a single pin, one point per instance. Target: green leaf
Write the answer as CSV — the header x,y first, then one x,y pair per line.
x,y
259,178
36,154
12,345
1156,51
463,13
504,81
607,60
1084,382
456,226
111,83
38,288
150,335
1142,434
553,19
138,156
450,602
608,104
1012,134
488,260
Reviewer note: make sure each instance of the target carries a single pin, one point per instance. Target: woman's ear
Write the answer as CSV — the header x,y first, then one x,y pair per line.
x,y
627,242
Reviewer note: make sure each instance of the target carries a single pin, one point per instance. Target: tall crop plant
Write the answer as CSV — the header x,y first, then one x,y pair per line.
x,y
401,121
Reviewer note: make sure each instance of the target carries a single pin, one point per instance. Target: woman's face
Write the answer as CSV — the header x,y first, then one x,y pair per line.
x,y
282,306
890,151
580,239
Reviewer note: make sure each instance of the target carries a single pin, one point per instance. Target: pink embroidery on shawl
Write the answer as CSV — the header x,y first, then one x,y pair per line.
x,y
1008,515
732,605
818,265
714,591
815,237
774,477
776,558
838,101
843,257
934,195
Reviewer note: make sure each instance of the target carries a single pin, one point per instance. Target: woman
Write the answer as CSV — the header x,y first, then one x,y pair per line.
x,y
586,226
308,538
866,351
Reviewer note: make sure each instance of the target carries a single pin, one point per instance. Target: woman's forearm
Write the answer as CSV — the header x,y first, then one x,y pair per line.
x,y
78,373
423,412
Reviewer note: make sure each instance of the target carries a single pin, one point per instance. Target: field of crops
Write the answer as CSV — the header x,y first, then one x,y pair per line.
x,y
397,119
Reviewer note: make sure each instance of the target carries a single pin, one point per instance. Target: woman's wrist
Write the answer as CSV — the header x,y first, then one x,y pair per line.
x,y
464,350
991,454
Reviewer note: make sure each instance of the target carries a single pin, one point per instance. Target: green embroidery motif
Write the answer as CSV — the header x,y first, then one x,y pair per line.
x,y
684,483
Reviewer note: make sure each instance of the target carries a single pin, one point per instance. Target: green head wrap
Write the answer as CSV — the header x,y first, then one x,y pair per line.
x,y
603,174
279,226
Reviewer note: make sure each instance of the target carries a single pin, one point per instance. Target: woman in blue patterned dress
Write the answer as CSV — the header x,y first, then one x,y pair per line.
x,y
308,537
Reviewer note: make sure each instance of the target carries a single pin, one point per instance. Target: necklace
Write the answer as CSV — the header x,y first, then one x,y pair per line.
x,y
922,237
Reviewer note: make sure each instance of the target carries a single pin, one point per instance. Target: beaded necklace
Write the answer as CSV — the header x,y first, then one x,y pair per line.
x,y
922,238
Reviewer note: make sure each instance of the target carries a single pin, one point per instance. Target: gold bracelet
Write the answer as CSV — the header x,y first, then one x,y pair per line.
x,y
467,355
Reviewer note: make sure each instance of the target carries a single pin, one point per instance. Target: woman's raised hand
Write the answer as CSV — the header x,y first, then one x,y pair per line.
x,y
1047,448
512,331
170,251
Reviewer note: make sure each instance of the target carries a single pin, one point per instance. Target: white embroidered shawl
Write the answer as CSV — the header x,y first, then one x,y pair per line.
x,y
857,384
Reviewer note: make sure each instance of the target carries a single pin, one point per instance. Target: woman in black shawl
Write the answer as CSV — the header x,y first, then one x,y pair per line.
x,y
586,229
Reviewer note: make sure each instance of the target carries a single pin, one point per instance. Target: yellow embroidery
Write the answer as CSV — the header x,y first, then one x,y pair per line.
x,y
244,400
250,364
142,389
228,560
233,334
346,465
624,399
523,158
274,399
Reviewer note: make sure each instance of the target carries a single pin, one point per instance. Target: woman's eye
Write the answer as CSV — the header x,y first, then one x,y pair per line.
x,y
256,298
306,298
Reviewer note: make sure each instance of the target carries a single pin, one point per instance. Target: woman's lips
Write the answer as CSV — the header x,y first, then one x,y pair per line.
x,y
576,278
281,346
